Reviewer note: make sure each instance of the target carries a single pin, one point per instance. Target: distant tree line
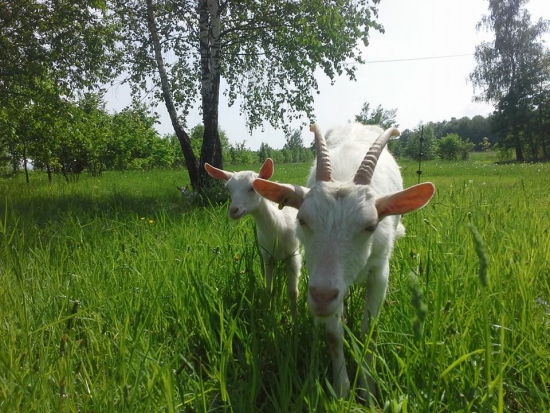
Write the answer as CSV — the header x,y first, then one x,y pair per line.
x,y
239,154
69,138
447,140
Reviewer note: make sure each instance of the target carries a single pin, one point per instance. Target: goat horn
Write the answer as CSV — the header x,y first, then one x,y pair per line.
x,y
366,170
324,169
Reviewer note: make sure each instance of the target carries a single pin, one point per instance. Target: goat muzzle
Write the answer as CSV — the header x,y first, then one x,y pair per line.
x,y
323,301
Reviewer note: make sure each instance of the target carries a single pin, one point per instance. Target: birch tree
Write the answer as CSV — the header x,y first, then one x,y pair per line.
x,y
266,52
510,68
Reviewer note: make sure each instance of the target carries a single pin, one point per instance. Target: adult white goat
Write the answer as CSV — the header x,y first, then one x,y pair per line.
x,y
349,218
275,229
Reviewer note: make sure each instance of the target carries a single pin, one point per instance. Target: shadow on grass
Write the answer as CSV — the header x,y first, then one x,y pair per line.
x,y
43,208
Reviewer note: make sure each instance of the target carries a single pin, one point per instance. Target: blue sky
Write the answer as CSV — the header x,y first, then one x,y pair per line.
x,y
428,87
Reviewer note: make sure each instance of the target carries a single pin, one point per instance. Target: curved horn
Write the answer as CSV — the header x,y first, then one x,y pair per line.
x,y
324,170
366,170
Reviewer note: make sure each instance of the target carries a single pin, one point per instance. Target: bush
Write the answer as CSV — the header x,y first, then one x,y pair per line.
x,y
429,144
449,147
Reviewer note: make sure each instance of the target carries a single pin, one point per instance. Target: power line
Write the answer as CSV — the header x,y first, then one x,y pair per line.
x,y
419,58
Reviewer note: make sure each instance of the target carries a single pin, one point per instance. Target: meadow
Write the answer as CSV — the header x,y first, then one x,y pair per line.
x,y
118,295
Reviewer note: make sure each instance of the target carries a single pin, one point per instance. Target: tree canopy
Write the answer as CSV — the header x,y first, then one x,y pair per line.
x,y
384,118
66,43
266,53
513,73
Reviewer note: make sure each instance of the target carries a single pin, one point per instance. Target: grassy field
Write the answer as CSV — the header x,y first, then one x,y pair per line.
x,y
117,295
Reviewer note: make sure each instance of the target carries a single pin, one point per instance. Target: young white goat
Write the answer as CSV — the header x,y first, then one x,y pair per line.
x,y
349,218
275,228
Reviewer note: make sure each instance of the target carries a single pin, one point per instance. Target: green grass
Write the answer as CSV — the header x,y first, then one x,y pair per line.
x,y
116,295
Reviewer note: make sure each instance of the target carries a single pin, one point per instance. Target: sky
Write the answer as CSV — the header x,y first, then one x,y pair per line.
x,y
408,68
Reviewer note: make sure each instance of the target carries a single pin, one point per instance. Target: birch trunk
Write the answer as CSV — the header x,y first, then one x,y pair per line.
x,y
185,142
209,21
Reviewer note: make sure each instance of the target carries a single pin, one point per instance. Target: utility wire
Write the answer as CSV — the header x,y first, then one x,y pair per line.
x,y
417,58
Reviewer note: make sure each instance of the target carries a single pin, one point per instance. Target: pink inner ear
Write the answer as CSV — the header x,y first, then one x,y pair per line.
x,y
409,200
282,194
270,190
217,173
267,169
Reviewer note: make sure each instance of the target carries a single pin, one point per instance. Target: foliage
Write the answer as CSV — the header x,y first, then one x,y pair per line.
x,y
266,63
474,129
485,144
421,143
294,140
69,138
294,150
451,147
395,147
504,154
452,139
265,152
66,43
239,154
379,116
196,135
116,295
30,123
465,148
513,73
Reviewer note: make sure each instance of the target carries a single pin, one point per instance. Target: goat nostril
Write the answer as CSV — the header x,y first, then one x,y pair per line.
x,y
322,296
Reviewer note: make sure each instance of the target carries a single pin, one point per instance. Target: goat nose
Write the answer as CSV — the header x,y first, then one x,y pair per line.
x,y
323,296
233,210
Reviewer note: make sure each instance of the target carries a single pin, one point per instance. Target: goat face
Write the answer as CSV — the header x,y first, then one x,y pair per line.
x,y
244,199
341,223
337,223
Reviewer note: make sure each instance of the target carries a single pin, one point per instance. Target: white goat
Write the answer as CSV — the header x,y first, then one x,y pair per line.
x,y
275,228
349,218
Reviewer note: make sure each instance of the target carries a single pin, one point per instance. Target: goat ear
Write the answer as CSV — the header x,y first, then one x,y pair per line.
x,y
282,194
409,200
217,173
267,169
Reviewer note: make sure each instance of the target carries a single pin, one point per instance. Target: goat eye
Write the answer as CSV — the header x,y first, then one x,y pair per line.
x,y
301,222
251,189
370,228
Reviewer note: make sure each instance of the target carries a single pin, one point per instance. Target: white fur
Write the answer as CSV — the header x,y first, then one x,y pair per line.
x,y
338,250
348,231
275,228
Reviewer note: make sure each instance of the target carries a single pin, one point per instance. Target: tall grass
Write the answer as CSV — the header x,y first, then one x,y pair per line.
x,y
117,295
